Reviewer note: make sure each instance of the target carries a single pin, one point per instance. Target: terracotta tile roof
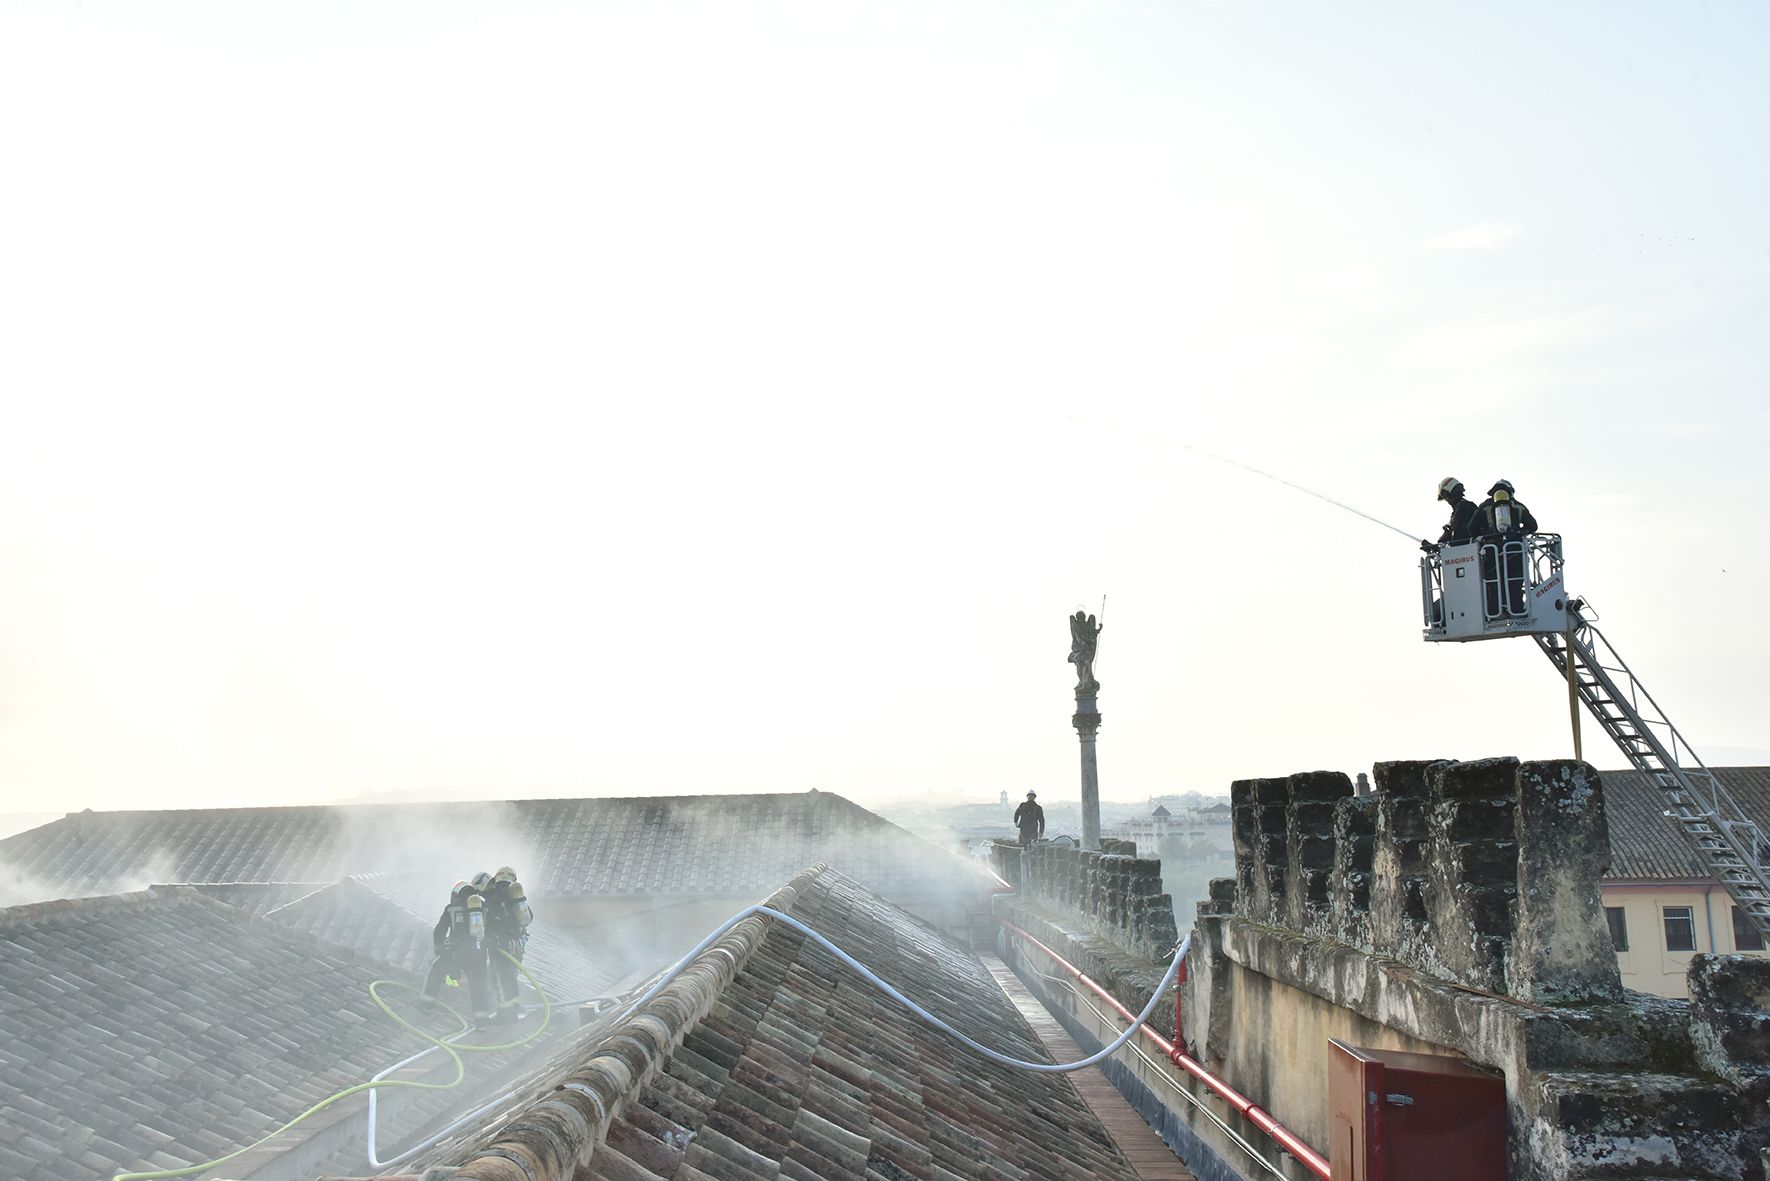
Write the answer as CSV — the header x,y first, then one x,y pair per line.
x,y
724,845
161,1029
1645,845
768,1058
252,897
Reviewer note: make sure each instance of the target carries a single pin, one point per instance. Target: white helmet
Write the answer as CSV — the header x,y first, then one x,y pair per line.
x,y
1449,487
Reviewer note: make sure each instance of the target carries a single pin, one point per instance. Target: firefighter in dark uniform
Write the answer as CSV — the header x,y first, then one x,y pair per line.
x,y
507,922
1464,525
1505,518
461,942
1465,516
1031,819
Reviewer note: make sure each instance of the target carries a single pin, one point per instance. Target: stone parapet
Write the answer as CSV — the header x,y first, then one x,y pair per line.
x,y
1128,976
1457,910
1730,1017
1117,896
1482,873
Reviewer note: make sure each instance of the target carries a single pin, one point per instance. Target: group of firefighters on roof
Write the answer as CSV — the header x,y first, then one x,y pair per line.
x,y
480,936
1501,517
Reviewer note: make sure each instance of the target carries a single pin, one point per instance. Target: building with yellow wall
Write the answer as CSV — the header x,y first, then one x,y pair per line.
x,y
1663,908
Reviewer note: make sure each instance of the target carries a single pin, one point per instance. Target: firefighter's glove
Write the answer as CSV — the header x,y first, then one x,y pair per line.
x,y
1430,547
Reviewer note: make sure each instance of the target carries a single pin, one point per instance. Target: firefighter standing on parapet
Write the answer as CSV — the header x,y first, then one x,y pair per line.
x,y
507,921
1031,819
462,943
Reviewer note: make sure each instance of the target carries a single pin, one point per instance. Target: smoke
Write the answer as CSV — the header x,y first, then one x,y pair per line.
x,y
19,886
433,847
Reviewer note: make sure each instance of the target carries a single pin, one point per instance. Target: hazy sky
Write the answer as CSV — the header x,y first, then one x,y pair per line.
x,y
595,398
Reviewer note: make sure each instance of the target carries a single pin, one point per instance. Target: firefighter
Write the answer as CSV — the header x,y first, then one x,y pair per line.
x,y
1464,525
1504,518
1465,517
1503,514
507,922
461,944
1031,819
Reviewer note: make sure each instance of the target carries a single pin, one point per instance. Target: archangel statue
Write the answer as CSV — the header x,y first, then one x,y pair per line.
x,y
1084,638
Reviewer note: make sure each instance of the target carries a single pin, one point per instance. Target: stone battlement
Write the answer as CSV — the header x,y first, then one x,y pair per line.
x,y
1483,873
1118,895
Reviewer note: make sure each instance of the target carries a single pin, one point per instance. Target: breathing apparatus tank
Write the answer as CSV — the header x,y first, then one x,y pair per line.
x,y
1502,516
476,920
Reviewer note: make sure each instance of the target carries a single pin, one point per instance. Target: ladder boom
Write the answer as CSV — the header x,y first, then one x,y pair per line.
x,y
1725,840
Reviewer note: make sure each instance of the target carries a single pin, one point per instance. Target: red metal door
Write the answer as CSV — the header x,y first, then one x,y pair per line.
x,y
1405,1116
1355,1113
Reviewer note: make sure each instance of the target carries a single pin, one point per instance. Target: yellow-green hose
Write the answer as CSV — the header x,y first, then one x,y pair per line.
x,y
453,1050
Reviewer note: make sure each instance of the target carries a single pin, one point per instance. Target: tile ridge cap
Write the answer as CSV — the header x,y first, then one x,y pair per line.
x,y
50,909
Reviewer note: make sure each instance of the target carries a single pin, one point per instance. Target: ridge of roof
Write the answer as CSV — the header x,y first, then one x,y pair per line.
x,y
109,814
617,846
29,913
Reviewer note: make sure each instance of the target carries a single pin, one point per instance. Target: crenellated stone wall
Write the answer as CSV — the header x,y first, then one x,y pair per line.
x,y
1457,910
1454,910
1484,873
1114,894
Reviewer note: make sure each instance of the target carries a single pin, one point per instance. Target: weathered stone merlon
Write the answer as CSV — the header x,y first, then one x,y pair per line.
x,y
1561,948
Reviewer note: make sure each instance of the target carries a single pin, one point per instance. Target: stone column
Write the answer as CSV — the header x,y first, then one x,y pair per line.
x,y
1084,642
1087,723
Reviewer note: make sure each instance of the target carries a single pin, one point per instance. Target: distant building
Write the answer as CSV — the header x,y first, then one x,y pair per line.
x,y
1662,905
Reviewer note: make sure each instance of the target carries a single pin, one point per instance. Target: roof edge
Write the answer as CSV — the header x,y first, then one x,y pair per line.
x,y
563,1128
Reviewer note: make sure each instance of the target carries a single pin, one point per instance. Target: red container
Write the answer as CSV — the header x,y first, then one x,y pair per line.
x,y
1397,1116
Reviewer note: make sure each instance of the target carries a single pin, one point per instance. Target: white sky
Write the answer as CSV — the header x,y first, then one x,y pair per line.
x,y
535,399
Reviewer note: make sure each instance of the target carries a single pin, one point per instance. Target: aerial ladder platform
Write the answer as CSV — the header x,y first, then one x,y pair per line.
x,y
1499,587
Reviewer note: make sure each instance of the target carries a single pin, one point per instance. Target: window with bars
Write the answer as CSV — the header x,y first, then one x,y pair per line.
x,y
1746,936
1619,926
1680,924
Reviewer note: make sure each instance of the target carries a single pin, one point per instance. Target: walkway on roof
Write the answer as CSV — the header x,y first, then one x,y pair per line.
x,y
1153,1159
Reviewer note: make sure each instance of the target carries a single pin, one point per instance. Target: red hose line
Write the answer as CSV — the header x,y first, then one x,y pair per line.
x,y
1242,1105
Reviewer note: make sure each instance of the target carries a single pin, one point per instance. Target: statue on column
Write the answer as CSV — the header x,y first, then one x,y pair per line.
x,y
1084,638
